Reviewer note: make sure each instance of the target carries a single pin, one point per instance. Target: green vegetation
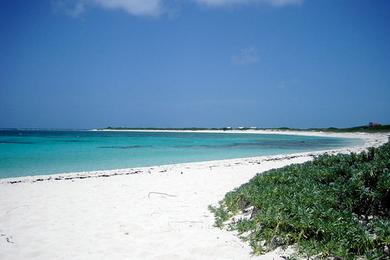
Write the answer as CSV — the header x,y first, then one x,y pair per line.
x,y
333,206
365,128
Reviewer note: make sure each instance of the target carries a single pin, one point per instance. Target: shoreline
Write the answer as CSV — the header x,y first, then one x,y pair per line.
x,y
248,131
369,139
158,212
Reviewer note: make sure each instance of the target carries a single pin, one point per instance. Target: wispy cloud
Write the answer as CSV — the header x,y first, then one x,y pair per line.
x,y
132,7
223,3
154,7
245,56
72,8
135,7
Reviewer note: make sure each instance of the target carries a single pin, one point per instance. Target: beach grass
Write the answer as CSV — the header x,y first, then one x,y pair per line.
x,y
334,206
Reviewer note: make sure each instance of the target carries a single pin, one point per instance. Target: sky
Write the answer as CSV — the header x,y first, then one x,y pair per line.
x,y
194,63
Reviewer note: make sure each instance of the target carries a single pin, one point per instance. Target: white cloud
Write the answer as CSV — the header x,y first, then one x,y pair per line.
x,y
72,8
222,3
133,7
245,56
154,7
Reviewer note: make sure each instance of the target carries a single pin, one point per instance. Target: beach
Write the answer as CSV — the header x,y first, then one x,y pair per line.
x,y
158,212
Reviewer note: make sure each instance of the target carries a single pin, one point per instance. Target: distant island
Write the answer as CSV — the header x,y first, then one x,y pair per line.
x,y
369,128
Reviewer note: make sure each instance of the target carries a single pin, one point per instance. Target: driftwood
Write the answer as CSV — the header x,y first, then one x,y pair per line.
x,y
186,221
8,238
160,193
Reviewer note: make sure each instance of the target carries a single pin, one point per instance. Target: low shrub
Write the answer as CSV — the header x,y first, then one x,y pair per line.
x,y
333,206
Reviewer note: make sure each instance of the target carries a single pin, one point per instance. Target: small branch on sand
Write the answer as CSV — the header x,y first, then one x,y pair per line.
x,y
190,223
10,210
8,238
186,221
160,193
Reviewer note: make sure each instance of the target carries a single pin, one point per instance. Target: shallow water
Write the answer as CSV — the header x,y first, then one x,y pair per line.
x,y
25,153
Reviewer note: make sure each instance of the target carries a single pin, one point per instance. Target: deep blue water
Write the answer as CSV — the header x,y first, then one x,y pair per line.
x,y
25,153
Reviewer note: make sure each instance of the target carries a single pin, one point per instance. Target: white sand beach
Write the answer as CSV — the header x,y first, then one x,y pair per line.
x,y
156,212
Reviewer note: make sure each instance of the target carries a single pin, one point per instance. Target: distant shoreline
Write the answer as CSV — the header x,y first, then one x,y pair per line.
x,y
359,135
370,128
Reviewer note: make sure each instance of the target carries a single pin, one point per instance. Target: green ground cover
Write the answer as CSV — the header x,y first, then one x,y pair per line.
x,y
334,206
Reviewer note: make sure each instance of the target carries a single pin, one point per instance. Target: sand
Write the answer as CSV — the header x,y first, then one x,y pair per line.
x,y
142,213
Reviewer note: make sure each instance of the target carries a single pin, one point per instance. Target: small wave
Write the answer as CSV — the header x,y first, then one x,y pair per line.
x,y
123,147
15,142
72,141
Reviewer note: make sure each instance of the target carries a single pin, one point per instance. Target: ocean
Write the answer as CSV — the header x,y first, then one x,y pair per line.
x,y
24,153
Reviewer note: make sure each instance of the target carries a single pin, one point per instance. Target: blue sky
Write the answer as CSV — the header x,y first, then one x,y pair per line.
x,y
205,63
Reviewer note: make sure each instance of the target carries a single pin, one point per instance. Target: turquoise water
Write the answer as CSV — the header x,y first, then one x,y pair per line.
x,y
25,153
